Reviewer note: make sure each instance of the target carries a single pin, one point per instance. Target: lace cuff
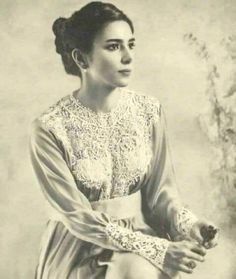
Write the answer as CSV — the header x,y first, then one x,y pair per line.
x,y
185,221
150,247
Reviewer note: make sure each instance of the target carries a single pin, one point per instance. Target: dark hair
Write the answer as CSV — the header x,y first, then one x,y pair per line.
x,y
79,30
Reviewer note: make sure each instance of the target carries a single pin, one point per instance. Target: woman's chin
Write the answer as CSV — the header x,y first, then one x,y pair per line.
x,y
122,83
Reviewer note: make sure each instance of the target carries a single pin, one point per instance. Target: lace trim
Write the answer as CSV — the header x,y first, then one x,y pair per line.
x,y
185,221
108,152
152,248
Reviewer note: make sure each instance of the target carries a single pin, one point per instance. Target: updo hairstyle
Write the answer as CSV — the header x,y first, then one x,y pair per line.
x,y
79,30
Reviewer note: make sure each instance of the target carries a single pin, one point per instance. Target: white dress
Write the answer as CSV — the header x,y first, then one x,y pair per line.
x,y
110,179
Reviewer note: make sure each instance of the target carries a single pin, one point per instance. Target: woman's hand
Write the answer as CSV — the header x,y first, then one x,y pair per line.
x,y
205,233
182,256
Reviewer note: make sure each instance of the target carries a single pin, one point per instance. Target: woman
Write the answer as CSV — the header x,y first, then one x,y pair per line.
x,y
102,159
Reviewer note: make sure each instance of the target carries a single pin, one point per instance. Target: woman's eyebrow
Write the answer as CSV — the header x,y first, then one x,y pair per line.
x,y
119,40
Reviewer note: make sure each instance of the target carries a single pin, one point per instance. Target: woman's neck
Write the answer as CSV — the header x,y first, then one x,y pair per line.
x,y
98,98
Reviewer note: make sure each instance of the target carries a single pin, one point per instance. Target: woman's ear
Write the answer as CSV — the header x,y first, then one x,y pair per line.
x,y
79,58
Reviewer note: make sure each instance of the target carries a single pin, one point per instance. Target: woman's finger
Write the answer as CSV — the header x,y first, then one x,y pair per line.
x,y
189,263
210,244
185,269
194,256
197,235
198,249
213,242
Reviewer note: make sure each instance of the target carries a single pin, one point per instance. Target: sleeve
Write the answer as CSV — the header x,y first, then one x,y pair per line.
x,y
161,193
76,213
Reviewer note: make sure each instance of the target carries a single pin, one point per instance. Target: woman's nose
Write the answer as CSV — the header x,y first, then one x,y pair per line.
x,y
126,56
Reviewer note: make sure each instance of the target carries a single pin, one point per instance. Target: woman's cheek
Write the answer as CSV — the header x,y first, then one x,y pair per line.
x,y
112,59
109,66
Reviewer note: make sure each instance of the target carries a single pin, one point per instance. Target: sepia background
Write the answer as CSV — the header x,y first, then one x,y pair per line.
x,y
32,78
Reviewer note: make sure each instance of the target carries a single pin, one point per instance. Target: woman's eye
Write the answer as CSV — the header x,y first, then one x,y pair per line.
x,y
113,47
131,45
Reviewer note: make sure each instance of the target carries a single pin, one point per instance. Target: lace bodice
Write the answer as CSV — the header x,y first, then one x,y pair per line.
x,y
109,152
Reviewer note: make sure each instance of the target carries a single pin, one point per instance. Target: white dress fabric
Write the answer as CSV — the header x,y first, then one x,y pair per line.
x,y
110,179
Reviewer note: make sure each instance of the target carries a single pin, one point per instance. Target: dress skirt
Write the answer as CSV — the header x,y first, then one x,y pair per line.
x,y
63,253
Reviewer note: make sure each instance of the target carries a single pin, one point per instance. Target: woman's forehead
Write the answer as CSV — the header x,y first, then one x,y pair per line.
x,y
117,30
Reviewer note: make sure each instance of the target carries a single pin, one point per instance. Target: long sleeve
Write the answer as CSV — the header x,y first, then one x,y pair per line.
x,y
164,208
76,213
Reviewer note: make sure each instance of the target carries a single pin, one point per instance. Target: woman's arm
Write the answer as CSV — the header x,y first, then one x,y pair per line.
x,y
162,205
59,188
160,191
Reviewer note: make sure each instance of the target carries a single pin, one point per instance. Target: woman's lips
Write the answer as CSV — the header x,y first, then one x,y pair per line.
x,y
125,72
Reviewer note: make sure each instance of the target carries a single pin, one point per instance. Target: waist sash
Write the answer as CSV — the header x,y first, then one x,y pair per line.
x,y
120,207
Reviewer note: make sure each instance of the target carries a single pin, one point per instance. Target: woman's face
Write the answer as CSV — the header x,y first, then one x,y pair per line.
x,y
111,60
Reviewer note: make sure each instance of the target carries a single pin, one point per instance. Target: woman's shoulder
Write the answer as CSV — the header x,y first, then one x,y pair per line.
x,y
52,114
146,102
